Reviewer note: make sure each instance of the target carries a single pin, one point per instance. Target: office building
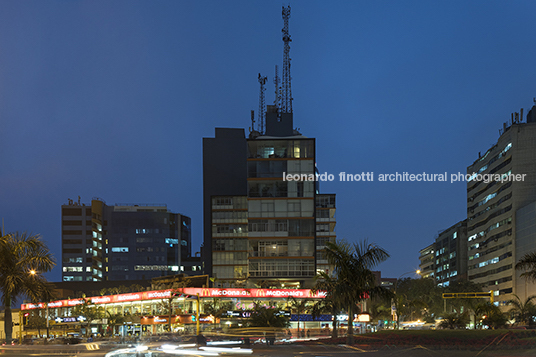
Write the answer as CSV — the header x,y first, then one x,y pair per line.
x,y
224,191
122,242
501,184
325,228
262,229
265,223
427,261
450,257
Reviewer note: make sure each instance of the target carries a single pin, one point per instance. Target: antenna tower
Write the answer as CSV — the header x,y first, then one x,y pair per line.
x,y
277,100
262,104
286,96
252,121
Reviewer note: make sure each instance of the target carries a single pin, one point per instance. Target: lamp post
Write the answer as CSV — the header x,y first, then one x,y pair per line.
x,y
395,306
32,272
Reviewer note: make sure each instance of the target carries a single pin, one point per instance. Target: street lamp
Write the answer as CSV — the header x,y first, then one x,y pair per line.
x,y
21,326
395,304
33,272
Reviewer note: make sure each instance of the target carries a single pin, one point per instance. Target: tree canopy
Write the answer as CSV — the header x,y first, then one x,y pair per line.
x,y
528,263
24,258
355,280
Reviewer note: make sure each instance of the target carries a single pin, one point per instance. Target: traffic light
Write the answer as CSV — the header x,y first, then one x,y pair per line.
x,y
25,318
193,318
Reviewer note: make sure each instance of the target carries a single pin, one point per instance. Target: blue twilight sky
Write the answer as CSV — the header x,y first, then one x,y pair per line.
x,y
112,99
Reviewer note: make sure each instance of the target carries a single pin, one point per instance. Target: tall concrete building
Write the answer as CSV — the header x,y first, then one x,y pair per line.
x,y
262,226
122,242
427,261
501,193
451,254
445,260
224,190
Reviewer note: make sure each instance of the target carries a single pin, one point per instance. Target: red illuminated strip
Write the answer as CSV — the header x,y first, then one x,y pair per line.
x,y
194,292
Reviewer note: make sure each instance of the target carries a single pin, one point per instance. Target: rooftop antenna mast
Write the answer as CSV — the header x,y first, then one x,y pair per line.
x,y
262,104
277,100
252,121
286,96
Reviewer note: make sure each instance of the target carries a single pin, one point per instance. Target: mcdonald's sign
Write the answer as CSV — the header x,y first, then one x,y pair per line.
x,y
189,293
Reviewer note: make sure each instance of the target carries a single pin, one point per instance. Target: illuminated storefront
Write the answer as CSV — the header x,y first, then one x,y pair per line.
x,y
146,312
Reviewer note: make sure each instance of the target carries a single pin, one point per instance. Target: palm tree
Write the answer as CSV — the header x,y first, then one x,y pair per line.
x,y
89,311
455,321
23,259
299,306
331,302
323,306
380,310
523,311
270,319
216,308
492,315
528,263
355,280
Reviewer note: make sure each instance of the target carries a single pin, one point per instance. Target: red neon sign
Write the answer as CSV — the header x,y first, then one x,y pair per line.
x,y
194,292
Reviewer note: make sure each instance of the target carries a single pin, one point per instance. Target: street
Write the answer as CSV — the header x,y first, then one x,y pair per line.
x,y
319,350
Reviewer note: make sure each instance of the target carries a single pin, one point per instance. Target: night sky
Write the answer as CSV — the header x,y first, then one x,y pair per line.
x,y
111,99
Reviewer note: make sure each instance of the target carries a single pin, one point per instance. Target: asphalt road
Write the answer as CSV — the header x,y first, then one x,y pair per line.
x,y
344,351
279,351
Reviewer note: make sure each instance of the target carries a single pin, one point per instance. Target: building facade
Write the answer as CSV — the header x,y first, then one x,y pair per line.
x,y
325,228
17,321
525,243
281,212
427,261
273,233
450,257
122,242
146,313
502,181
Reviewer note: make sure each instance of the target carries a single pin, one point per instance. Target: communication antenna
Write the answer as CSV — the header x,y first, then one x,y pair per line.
x,y
277,100
286,96
252,121
262,104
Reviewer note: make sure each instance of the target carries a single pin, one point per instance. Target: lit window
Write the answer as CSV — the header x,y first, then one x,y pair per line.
x,y
120,249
